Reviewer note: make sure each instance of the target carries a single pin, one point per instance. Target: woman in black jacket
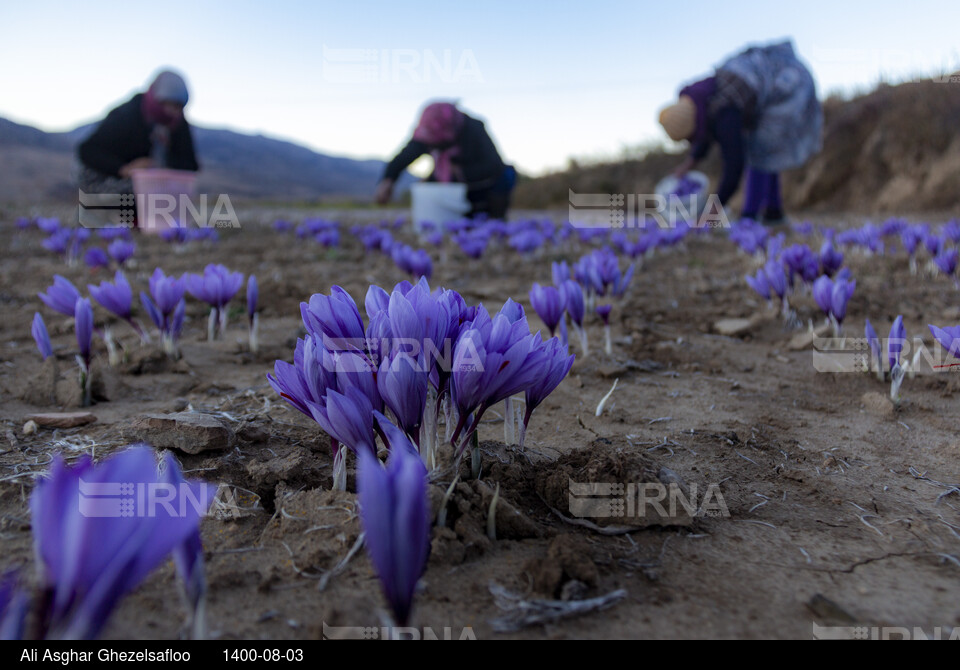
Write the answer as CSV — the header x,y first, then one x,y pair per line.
x,y
462,152
148,130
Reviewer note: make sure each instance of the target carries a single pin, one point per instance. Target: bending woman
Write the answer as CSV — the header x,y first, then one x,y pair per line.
x,y
148,130
462,152
761,108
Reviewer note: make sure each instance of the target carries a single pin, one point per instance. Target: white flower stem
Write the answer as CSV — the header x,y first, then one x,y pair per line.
x,y
212,324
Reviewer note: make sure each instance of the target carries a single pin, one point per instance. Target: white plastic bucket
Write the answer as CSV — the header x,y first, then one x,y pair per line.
x,y
679,204
159,197
437,203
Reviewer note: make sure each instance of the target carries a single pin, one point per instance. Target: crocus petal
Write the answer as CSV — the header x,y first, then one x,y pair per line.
x,y
898,335
83,324
41,336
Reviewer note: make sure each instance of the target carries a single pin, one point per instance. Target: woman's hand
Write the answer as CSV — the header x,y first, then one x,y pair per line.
x,y
384,191
136,164
688,164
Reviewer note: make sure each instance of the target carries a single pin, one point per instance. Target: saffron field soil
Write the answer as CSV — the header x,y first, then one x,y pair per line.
x,y
840,509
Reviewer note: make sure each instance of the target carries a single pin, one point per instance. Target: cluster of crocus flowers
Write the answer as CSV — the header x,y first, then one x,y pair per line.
x,y
415,262
167,308
421,353
216,287
599,274
94,547
495,358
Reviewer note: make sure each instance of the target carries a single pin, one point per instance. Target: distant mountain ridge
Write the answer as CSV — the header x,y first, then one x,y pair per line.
x,y
37,167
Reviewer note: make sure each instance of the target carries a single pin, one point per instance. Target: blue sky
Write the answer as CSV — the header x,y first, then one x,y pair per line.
x,y
552,79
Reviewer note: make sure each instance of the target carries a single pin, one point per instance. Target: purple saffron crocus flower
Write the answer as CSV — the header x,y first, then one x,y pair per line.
x,y
555,369
603,311
823,294
402,382
96,258
548,303
167,291
830,258
841,294
83,324
306,381
933,243
348,418
898,335
121,250
91,560
760,284
949,338
216,286
492,360
333,316
395,511
573,301
62,296
946,260
41,336
776,277
48,225
116,297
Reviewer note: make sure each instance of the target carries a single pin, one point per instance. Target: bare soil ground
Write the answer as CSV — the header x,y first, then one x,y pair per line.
x,y
841,510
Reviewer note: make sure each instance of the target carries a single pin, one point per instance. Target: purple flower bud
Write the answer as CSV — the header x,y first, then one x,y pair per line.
x,y
83,324
548,304
823,294
946,260
116,297
573,299
402,383
395,511
91,560
96,258
121,250
41,336
216,286
166,291
949,338
898,336
603,311
759,284
841,294
830,258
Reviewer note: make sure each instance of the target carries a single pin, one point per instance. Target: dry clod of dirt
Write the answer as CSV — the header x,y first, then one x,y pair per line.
x,y
877,404
190,432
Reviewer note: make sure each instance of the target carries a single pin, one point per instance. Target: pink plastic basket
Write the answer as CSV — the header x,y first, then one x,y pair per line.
x,y
154,188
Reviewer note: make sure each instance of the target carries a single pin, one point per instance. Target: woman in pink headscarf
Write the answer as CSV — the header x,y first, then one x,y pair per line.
x,y
462,152
148,130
